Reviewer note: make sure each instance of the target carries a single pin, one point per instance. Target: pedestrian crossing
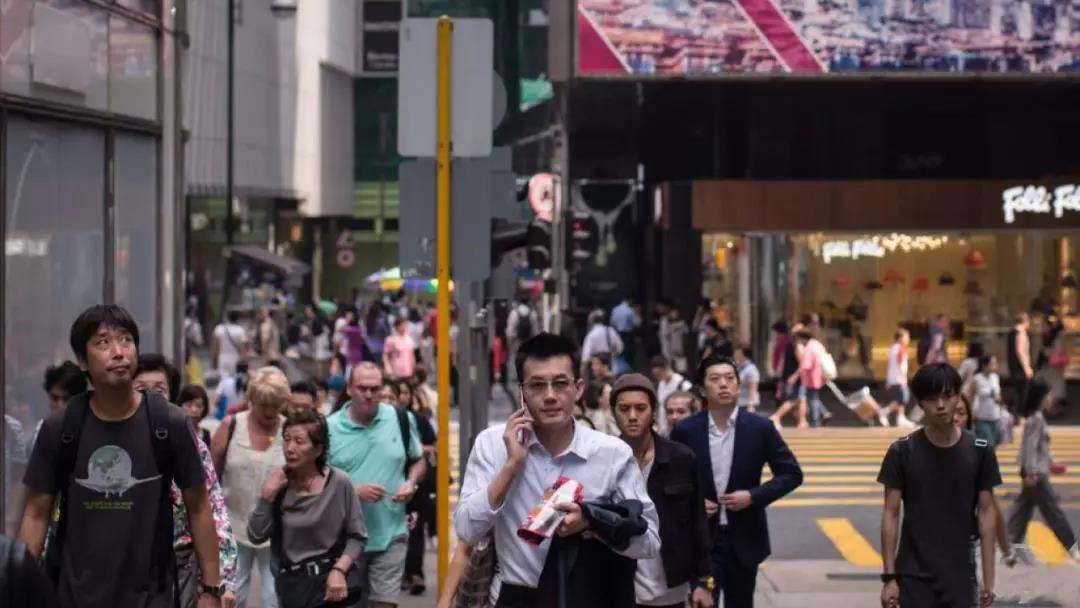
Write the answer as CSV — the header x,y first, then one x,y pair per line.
x,y
840,467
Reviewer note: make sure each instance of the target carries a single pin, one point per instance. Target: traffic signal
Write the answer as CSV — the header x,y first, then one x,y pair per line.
x,y
581,241
538,244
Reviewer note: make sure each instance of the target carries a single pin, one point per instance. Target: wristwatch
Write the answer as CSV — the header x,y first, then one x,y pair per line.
x,y
888,578
706,582
212,590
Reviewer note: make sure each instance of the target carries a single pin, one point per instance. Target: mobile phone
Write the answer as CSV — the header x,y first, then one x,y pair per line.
x,y
528,416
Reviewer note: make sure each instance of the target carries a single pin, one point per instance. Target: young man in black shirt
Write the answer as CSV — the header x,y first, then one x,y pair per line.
x,y
108,458
943,476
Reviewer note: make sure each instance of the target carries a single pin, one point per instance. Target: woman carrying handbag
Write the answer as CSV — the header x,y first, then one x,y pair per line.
x,y
311,515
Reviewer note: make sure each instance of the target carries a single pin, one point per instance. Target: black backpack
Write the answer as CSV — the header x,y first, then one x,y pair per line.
x,y
524,327
157,412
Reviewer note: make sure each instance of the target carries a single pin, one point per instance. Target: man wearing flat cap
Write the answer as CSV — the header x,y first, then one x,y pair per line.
x,y
682,570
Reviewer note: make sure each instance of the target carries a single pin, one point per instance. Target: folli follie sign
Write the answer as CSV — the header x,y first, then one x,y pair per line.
x,y
1056,201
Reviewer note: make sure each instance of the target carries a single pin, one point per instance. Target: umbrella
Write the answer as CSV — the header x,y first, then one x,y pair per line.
x,y
327,308
894,276
921,283
384,274
841,281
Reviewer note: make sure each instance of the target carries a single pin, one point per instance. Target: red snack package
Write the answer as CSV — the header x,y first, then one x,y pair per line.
x,y
545,518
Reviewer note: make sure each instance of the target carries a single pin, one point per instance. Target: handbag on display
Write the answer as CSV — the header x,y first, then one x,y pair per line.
x,y
1059,358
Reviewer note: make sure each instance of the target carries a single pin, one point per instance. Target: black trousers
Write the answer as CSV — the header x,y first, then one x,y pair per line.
x,y
736,579
930,593
414,553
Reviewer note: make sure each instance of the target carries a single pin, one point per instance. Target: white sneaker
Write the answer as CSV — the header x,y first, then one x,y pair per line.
x,y
1074,552
903,422
1024,555
883,418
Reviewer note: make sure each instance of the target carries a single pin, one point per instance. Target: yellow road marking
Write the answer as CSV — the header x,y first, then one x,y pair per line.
x,y
849,542
1008,480
1045,545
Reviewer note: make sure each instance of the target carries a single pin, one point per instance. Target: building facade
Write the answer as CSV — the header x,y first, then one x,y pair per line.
x,y
89,105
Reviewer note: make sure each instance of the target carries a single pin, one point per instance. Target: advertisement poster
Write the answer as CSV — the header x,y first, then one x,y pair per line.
x,y
381,22
806,37
610,214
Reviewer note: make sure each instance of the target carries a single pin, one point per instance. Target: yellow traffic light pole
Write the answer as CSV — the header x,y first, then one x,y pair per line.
x,y
442,184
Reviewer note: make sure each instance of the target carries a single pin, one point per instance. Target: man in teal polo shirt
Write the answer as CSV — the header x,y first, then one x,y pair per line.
x,y
366,442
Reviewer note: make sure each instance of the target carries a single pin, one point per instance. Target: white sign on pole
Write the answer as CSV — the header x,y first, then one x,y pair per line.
x,y
471,94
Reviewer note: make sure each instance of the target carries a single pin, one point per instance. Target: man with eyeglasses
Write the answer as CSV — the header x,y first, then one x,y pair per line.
x,y
512,466
368,442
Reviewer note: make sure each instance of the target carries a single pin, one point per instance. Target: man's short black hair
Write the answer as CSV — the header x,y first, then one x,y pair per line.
x,y
545,346
305,386
746,351
233,316
780,327
936,380
156,362
67,376
90,321
659,361
712,360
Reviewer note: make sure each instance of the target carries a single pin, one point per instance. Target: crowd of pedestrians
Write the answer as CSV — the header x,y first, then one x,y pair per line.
x,y
326,497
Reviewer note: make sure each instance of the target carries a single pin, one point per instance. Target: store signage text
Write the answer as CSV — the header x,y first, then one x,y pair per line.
x,y
878,245
860,248
1039,199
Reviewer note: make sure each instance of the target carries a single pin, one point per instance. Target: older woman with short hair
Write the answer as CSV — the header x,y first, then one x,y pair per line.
x,y
245,453
311,515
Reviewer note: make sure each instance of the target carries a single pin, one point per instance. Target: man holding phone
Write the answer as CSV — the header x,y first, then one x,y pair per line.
x,y
735,498
368,443
512,466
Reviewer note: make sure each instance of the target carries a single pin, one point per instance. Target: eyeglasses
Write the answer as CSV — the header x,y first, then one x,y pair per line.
x,y
539,388
367,389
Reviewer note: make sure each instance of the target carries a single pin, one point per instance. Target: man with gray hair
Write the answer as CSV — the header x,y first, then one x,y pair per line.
x,y
378,446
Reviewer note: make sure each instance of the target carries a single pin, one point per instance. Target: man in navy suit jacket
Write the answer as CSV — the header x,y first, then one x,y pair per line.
x,y
732,447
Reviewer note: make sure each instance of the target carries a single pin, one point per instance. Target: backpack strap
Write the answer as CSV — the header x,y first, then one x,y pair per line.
x,y
164,450
406,437
70,433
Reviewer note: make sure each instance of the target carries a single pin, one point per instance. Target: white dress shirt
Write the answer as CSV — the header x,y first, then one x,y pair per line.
x,y
605,467
722,454
650,580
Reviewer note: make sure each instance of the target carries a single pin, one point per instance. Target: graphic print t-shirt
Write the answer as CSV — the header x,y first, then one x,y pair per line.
x,y
112,506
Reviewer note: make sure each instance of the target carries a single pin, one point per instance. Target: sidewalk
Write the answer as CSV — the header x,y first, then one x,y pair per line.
x,y
811,583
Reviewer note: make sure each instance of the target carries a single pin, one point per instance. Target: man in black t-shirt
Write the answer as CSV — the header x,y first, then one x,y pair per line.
x,y
120,453
943,476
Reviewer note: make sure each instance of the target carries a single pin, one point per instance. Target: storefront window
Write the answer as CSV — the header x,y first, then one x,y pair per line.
x,y
137,233
133,61
863,287
54,262
719,272
69,53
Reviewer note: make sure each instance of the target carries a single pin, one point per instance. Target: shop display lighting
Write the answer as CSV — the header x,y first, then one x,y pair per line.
x,y
877,246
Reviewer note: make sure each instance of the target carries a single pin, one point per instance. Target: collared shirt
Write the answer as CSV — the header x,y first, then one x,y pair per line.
x,y
604,466
375,454
722,454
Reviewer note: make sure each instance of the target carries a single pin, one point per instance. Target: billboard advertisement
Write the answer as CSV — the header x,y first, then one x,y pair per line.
x,y
807,37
